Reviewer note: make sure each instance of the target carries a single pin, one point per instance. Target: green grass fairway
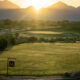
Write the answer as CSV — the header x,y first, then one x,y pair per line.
x,y
42,59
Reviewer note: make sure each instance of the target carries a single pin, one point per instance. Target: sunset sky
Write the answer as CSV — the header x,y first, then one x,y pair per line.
x,y
43,3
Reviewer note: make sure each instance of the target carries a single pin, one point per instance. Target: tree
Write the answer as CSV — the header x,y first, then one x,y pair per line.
x,y
7,22
3,43
33,39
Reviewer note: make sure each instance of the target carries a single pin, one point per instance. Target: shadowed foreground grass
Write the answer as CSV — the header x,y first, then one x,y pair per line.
x,y
42,59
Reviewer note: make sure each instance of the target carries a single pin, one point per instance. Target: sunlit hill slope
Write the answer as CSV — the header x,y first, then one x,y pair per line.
x,y
8,5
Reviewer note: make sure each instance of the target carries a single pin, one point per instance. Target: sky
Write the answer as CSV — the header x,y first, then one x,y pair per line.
x,y
44,3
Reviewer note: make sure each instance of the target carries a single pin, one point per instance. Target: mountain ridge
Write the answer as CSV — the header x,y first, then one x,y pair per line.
x,y
8,5
49,13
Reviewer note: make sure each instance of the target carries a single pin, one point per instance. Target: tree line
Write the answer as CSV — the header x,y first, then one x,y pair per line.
x,y
65,24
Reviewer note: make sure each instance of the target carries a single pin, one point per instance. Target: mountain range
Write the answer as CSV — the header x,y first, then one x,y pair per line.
x,y
56,12
5,4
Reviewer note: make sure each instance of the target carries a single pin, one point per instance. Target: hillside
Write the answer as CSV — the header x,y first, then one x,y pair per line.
x,y
7,5
60,11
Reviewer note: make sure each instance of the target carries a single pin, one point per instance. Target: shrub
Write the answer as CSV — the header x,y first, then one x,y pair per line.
x,y
11,38
3,43
41,40
33,39
12,41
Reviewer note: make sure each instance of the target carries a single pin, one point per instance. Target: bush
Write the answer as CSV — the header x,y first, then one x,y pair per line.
x,y
12,41
11,38
33,39
3,43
